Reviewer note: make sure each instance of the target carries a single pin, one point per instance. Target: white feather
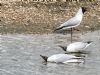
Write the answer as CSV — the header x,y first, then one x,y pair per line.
x,y
74,61
77,46
61,58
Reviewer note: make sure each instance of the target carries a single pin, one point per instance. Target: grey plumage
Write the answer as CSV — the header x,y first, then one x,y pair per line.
x,y
74,21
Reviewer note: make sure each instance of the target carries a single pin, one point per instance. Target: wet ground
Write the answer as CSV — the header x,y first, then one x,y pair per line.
x,y
20,54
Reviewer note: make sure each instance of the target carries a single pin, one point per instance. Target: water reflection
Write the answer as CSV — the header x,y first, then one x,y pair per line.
x,y
20,55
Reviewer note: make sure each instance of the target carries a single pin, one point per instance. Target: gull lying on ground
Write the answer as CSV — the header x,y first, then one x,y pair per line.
x,y
76,46
62,58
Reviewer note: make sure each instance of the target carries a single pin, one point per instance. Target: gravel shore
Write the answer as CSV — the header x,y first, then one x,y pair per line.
x,y
40,18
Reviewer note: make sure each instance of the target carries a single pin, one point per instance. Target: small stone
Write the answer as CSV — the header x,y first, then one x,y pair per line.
x,y
0,4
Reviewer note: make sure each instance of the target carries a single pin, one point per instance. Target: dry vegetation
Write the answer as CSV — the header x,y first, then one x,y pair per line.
x,y
37,17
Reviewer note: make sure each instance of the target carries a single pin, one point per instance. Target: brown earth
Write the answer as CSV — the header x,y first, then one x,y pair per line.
x,y
38,18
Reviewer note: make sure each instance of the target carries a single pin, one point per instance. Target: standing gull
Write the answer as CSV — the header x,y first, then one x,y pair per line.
x,y
73,22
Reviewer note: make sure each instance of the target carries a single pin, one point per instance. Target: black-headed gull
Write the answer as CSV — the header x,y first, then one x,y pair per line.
x,y
76,46
73,22
62,58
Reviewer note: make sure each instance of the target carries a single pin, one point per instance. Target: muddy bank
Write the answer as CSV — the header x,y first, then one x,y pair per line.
x,y
38,18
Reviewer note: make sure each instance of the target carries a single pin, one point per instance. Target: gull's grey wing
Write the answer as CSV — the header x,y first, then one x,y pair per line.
x,y
63,57
71,22
78,46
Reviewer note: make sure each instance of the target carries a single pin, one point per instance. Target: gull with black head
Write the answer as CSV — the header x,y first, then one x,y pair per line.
x,y
73,22
63,58
76,47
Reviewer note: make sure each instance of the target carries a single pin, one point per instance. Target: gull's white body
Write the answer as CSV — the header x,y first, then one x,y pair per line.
x,y
73,22
77,46
63,58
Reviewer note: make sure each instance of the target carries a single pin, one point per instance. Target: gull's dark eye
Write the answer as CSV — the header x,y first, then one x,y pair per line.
x,y
84,9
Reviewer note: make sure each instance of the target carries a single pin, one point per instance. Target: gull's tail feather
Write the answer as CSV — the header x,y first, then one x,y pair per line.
x,y
63,47
44,57
59,28
75,61
78,58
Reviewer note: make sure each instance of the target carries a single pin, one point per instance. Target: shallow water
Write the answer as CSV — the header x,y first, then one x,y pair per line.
x,y
20,54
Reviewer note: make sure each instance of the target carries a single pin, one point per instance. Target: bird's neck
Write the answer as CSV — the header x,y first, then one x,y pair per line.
x,y
79,13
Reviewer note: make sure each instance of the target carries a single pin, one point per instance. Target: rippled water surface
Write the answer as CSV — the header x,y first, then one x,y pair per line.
x,y
20,54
